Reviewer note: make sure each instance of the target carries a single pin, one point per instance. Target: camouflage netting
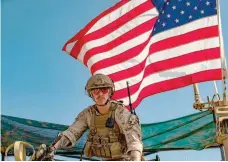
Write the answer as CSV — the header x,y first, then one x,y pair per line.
x,y
196,132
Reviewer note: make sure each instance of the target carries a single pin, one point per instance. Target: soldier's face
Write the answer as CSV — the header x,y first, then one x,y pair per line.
x,y
100,95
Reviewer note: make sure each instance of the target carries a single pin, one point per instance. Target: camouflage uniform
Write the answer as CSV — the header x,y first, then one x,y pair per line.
x,y
112,136
126,122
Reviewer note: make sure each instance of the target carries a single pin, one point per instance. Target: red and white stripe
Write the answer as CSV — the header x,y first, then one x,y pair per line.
x,y
118,43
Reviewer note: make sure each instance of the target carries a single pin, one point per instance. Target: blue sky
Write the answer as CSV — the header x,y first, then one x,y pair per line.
x,y
41,82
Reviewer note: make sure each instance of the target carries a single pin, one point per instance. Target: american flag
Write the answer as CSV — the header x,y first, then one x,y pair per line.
x,y
155,45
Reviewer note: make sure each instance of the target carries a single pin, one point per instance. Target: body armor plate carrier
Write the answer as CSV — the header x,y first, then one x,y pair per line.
x,y
105,138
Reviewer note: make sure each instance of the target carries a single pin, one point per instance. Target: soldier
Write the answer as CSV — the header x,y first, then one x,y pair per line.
x,y
114,133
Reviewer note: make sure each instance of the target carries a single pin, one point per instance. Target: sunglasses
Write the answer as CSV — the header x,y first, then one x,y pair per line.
x,y
98,90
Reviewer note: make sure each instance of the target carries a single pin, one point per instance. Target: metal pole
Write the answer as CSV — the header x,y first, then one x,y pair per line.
x,y
222,152
3,156
215,87
224,71
225,145
196,93
222,52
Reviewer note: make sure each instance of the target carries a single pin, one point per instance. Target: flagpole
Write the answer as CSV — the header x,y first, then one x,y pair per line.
x,y
223,118
217,95
222,53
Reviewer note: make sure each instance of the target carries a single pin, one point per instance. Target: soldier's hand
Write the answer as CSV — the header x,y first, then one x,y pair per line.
x,y
135,156
45,153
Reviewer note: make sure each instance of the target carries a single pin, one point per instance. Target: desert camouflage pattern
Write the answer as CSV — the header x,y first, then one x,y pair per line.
x,y
99,81
128,125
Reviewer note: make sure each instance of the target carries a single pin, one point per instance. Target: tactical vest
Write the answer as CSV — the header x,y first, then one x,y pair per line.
x,y
105,139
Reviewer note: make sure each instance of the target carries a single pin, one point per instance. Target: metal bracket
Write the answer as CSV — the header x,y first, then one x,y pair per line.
x,y
221,113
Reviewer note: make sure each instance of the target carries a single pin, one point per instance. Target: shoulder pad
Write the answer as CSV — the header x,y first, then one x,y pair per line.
x,y
117,102
92,108
116,105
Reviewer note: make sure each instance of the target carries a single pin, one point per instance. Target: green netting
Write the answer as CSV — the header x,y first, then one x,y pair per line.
x,y
195,132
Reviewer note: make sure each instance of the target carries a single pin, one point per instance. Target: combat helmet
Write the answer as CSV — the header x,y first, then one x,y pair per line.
x,y
99,81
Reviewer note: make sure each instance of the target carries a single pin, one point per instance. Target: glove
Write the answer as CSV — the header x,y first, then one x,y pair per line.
x,y
135,156
44,153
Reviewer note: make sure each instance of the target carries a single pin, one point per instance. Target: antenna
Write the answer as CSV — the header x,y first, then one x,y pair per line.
x,y
129,95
